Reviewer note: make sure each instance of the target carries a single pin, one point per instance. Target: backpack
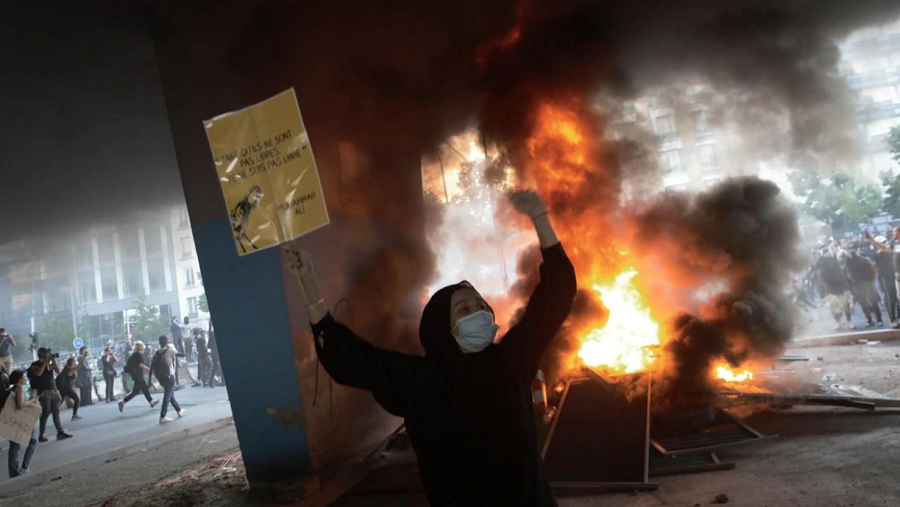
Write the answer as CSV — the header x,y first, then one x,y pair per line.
x,y
160,366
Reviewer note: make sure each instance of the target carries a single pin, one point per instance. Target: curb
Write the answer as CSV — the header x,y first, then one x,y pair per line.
x,y
11,487
845,338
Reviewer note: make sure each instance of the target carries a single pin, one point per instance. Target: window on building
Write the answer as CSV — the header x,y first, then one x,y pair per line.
x,y
84,254
108,283
130,245
707,155
670,161
156,269
664,125
189,280
133,278
187,246
701,122
152,242
106,250
193,307
87,290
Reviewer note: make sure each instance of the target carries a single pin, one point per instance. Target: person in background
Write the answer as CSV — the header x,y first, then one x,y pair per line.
x,y
65,382
17,395
892,246
214,356
6,342
41,376
188,340
109,361
862,277
136,367
84,378
836,288
204,361
177,332
884,265
162,366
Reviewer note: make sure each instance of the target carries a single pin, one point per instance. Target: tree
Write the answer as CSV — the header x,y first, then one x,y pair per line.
x,y
838,201
203,305
894,143
55,333
146,322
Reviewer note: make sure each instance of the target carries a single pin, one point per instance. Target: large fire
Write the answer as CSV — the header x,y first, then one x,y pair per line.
x,y
626,343
559,161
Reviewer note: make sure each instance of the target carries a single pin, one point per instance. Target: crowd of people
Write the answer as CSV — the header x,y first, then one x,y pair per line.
x,y
50,381
855,271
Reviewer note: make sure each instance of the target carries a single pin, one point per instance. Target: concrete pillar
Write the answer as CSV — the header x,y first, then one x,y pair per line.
x,y
292,422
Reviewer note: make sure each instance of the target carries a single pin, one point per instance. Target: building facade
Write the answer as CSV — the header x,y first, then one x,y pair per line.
x,y
87,284
870,61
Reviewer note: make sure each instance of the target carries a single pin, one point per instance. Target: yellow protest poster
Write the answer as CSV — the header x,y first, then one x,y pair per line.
x,y
267,172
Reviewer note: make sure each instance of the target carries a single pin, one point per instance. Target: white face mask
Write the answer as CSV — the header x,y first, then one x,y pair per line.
x,y
476,331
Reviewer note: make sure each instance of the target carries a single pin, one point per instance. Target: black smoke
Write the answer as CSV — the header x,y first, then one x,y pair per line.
x,y
741,243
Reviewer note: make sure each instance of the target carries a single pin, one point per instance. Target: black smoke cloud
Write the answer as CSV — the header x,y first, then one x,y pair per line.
x,y
85,132
741,238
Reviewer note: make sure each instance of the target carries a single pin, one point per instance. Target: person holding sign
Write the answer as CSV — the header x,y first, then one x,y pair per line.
x,y
16,395
467,402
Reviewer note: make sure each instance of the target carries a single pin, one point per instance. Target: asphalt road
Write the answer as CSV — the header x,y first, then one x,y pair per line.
x,y
105,434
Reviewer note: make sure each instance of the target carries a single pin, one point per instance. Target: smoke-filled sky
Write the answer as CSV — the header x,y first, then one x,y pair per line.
x,y
85,133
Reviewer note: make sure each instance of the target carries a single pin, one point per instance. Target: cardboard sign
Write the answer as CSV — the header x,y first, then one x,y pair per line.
x,y
17,425
268,174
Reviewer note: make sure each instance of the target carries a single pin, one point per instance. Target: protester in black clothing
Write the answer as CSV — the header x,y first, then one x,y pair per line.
x,y
836,287
109,361
163,365
65,382
204,366
137,369
467,402
84,378
884,265
862,277
41,375
893,247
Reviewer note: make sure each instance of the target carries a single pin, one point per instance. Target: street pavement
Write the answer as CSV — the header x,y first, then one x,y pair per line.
x,y
105,434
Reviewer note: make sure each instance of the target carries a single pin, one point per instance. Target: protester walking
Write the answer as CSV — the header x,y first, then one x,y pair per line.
x,y
65,382
6,343
109,361
836,288
862,274
466,403
137,369
41,376
162,366
16,394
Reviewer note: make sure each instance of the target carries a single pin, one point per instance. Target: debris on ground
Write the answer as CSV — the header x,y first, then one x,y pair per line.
x,y
723,498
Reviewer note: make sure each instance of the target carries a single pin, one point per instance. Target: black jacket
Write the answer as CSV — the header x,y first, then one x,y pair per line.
x,y
469,416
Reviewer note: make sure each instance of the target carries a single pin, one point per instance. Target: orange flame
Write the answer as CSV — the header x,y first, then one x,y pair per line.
x,y
724,372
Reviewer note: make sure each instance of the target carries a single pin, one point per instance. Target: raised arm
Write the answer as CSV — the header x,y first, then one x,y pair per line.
x,y
878,245
549,304
392,377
